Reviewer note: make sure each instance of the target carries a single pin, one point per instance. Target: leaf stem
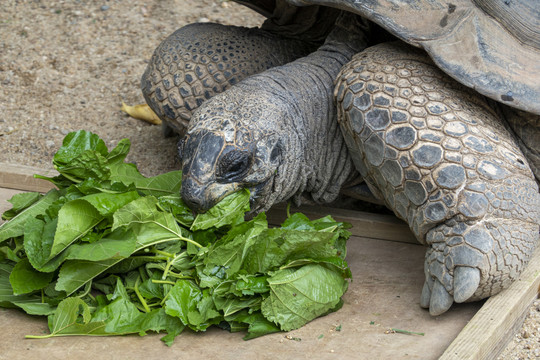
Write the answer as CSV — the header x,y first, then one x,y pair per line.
x,y
160,252
141,298
39,336
180,276
180,237
288,209
86,290
166,270
163,282
170,261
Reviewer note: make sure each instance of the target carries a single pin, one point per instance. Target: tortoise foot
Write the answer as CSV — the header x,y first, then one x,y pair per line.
x,y
469,262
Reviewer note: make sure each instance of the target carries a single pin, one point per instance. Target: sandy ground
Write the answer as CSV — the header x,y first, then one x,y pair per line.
x,y
68,65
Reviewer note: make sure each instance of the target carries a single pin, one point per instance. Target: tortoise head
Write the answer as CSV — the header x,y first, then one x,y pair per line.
x,y
235,140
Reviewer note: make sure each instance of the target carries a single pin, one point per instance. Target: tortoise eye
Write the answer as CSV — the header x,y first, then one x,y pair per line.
x,y
233,166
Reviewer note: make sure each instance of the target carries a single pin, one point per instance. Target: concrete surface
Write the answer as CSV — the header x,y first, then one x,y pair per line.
x,y
384,294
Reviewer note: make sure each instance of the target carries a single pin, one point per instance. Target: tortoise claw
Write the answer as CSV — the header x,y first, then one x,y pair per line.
x,y
440,300
426,296
466,281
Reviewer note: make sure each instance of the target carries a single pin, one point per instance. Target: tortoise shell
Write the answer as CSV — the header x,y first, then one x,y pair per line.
x,y
492,46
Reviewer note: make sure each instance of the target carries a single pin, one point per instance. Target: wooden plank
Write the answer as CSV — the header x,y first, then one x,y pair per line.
x,y
370,225
21,177
494,325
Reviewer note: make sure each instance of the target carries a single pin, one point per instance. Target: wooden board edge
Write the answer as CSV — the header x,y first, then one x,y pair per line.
x,y
21,177
494,325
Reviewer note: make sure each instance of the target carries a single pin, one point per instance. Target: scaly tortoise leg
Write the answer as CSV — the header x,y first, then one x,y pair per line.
x,y
200,60
444,162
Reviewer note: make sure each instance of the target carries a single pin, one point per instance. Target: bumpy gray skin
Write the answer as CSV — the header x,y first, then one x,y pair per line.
x,y
432,150
262,134
441,158
200,60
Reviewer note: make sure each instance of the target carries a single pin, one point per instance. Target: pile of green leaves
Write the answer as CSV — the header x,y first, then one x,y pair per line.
x,y
111,252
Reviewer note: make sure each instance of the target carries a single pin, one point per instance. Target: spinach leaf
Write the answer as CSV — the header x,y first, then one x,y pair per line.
x,y
72,317
25,279
229,211
75,219
20,202
164,184
298,296
15,227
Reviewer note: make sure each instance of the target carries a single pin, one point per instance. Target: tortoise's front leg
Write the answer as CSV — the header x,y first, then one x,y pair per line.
x,y
201,60
441,158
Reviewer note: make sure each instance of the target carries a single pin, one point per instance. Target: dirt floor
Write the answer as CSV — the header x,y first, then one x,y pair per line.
x,y
68,65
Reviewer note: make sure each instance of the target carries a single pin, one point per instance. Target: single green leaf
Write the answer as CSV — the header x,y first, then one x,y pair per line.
x,y
335,262
119,153
122,315
118,244
163,184
158,320
257,324
75,219
7,298
251,284
93,186
20,202
276,247
298,296
107,203
76,143
38,241
298,221
72,317
82,155
89,164
35,307
148,223
206,313
231,305
229,211
7,252
151,290
15,227
25,279
76,273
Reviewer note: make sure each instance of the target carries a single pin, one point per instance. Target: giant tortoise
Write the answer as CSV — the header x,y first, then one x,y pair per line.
x,y
428,106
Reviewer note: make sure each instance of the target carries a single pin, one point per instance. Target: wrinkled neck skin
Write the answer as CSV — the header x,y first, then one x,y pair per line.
x,y
285,118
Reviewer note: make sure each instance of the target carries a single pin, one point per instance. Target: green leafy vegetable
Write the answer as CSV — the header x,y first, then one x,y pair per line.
x,y
111,252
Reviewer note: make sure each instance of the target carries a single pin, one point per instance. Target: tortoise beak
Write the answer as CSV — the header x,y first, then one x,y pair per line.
x,y
201,197
198,177
193,195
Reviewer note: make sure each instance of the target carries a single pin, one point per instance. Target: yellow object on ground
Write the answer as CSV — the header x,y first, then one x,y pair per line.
x,y
141,112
